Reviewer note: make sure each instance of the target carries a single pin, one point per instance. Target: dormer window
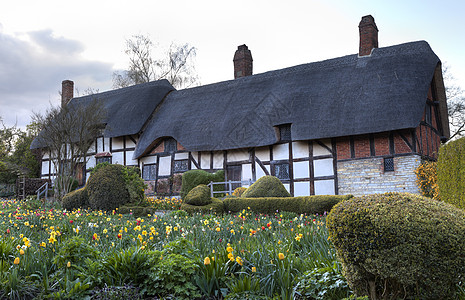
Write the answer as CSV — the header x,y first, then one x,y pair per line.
x,y
170,145
284,132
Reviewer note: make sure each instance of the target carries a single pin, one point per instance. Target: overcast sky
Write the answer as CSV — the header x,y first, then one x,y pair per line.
x,y
44,42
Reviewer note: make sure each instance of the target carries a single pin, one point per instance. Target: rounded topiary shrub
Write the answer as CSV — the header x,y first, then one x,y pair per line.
x,y
76,199
216,206
193,178
239,191
266,186
199,196
399,245
107,188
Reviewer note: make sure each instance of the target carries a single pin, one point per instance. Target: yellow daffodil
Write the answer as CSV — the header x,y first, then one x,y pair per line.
x,y
206,261
280,256
254,269
16,262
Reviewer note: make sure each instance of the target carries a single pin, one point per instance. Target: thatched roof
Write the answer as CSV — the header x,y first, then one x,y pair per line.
x,y
344,96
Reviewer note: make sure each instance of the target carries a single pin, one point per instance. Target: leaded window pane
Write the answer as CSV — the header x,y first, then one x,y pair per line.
x,y
389,164
282,171
149,172
180,165
170,145
285,132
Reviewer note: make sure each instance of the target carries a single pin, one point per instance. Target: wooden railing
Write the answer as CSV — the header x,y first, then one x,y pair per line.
x,y
229,185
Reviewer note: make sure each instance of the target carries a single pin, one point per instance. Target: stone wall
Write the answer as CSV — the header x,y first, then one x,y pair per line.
x,y
367,176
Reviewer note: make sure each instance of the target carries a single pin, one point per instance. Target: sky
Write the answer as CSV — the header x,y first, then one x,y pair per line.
x,y
45,42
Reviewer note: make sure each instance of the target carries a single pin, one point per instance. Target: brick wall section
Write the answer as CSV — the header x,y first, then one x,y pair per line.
x,y
160,148
362,146
366,176
343,148
382,144
399,144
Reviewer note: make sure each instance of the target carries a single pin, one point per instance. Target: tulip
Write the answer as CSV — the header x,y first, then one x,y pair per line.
x,y
206,261
16,262
281,256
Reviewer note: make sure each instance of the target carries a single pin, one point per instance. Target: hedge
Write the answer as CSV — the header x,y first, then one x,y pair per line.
x,y
451,172
199,196
399,245
216,206
193,178
299,205
266,186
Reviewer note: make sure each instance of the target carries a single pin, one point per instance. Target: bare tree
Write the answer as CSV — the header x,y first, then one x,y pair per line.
x,y
67,133
176,65
455,104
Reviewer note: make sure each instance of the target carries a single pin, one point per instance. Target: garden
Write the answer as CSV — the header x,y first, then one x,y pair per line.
x,y
108,241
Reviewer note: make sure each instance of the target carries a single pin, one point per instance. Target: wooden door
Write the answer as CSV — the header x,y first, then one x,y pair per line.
x,y
234,173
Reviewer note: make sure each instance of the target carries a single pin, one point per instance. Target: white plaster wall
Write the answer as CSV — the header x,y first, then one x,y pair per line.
x,y
301,169
91,162
91,148
281,151
263,153
205,160
117,158
45,165
237,155
299,149
148,160
324,187
129,142
46,156
99,145
301,189
319,150
323,167
129,159
246,171
164,168
117,143
218,159
182,155
52,169
107,144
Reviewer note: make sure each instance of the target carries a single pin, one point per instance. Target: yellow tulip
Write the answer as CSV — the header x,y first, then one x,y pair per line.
x,y
16,262
281,256
21,252
206,261
68,264
254,269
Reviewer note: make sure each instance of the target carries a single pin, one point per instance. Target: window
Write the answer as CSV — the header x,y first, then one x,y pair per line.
x,y
180,165
428,112
285,132
103,159
149,172
389,164
282,171
170,145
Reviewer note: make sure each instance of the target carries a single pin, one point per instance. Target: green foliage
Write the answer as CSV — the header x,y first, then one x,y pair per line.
x,y
324,283
74,250
198,196
266,186
239,191
107,188
451,172
76,199
399,245
137,211
116,293
216,206
172,276
299,205
193,178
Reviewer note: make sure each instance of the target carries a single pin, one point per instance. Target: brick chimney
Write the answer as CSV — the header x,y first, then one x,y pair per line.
x,y
242,62
368,35
67,92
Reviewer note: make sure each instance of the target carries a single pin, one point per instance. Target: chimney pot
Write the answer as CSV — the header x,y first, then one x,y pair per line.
x,y
242,62
368,35
67,92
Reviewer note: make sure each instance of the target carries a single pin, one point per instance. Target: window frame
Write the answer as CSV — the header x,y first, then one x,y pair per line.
x,y
388,164
151,172
276,167
186,161
170,145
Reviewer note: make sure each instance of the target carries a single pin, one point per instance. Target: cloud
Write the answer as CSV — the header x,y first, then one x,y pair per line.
x,y
32,66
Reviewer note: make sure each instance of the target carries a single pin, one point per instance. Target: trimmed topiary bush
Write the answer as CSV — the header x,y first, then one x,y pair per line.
x,y
107,188
199,196
239,191
266,186
399,246
193,178
76,199
215,206
300,205
451,173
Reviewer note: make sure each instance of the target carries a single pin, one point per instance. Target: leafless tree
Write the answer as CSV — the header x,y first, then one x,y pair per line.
x,y
176,64
455,104
68,133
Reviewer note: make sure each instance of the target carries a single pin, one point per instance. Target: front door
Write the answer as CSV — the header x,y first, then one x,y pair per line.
x,y
234,173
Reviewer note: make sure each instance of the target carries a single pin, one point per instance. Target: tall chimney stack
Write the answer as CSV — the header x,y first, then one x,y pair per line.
x,y
368,35
67,92
242,62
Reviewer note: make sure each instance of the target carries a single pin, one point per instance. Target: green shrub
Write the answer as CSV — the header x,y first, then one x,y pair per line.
x,y
399,245
74,250
299,205
135,184
266,186
451,172
199,196
107,188
193,178
239,191
215,206
76,199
